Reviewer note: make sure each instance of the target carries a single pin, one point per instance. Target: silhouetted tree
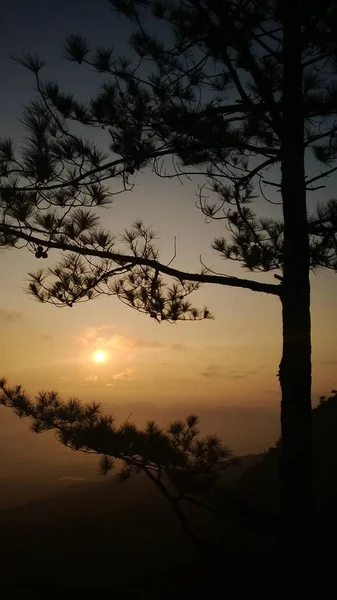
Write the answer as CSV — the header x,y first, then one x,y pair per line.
x,y
259,484
182,465
239,89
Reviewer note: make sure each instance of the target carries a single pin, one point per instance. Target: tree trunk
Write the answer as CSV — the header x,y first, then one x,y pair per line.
x,y
295,367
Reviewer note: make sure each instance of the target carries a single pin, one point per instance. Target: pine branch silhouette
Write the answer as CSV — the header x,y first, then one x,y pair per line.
x,y
180,463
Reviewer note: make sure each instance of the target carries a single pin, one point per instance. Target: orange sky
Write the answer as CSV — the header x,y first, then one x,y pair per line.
x,y
231,360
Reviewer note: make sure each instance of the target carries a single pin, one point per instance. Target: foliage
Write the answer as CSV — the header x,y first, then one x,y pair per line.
x,y
210,98
77,278
179,462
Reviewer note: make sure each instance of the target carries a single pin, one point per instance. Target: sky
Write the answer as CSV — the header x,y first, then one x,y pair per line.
x,y
229,361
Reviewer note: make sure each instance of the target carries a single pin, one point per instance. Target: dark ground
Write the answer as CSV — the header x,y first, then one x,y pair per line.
x,y
97,537
87,539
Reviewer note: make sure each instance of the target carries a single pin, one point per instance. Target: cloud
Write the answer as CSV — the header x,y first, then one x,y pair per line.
x,y
10,316
327,362
103,337
120,341
213,371
109,384
91,378
124,375
148,344
242,374
178,347
90,333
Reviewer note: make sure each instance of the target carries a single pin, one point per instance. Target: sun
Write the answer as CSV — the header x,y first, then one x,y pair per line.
x,y
99,356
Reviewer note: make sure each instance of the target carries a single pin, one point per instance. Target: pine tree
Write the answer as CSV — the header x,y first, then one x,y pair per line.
x,y
241,87
180,463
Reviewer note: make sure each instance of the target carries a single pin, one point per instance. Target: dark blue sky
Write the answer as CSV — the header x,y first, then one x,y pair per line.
x,y
45,24
42,27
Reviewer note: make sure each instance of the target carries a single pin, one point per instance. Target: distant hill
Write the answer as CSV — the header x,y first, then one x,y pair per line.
x,y
35,466
55,507
260,483
92,531
91,525
246,430
77,531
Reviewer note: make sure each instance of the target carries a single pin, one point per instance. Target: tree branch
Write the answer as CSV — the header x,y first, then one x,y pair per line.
x,y
321,176
238,282
197,543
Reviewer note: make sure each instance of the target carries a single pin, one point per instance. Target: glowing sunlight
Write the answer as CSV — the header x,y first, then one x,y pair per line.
x,y
100,356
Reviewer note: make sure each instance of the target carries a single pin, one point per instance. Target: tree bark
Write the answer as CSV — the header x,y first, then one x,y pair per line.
x,y
295,367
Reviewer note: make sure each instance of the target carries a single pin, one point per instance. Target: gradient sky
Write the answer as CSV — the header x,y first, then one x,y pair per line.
x,y
232,360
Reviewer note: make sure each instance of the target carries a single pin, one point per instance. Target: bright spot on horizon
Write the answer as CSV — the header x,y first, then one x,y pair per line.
x,y
99,356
